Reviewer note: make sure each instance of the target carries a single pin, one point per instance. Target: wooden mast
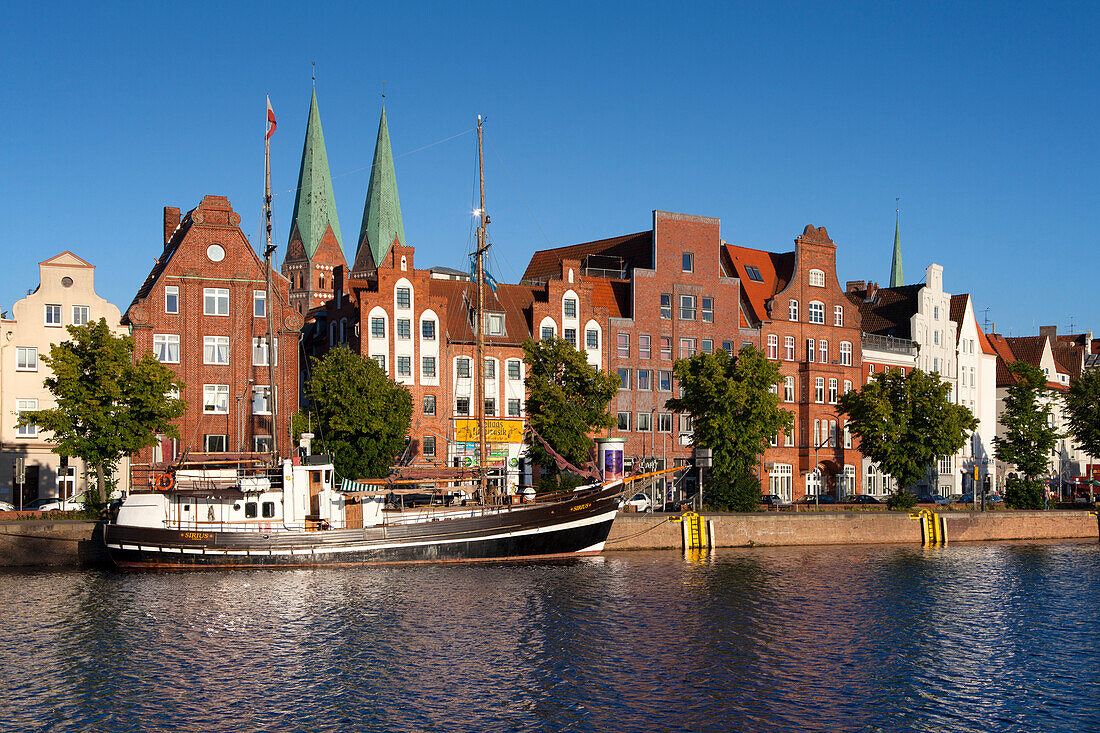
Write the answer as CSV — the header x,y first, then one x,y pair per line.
x,y
273,404
479,325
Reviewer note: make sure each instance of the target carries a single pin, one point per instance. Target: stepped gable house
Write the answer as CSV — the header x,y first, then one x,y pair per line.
x,y
202,311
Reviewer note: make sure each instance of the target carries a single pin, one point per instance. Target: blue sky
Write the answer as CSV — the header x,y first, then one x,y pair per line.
x,y
770,116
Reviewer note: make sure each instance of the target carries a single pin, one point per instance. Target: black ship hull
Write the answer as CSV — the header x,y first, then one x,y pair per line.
x,y
578,525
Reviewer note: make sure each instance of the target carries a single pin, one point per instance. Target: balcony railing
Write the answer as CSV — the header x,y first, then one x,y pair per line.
x,y
889,343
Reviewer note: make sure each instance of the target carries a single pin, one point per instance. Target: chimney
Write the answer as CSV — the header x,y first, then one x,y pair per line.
x,y
1050,331
854,286
171,221
872,288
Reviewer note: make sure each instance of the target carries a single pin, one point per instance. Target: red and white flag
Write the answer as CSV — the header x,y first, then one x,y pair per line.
x,y
270,120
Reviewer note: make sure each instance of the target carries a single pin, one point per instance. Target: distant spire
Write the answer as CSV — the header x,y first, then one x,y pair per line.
x,y
897,279
314,204
382,224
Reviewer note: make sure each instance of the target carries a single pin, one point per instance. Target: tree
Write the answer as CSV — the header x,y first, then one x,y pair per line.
x,y
1083,407
567,401
905,422
109,405
361,416
1029,433
735,414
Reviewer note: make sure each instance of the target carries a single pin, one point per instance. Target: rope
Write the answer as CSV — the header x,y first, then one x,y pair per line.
x,y
638,534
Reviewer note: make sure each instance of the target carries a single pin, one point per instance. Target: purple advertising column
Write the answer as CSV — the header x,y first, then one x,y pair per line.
x,y
609,453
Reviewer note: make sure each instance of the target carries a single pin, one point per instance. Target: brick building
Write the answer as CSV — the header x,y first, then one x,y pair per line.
x,y
202,311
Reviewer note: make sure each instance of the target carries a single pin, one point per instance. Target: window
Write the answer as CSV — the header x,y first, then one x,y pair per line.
x,y
26,358
624,379
378,328
260,351
261,404
788,437
463,365
706,310
832,390
781,480
494,324
664,381
571,336
404,329
592,339
819,389
832,433
262,444
166,348
846,353
53,315
490,407
623,341
817,434
847,436
404,298
810,343
666,306
404,366
773,346
215,399
870,482
688,262
664,422
427,367
547,333
259,304
429,446
936,336
774,440
21,406
687,307
847,386
462,406
936,316
380,360
685,423
817,312
838,315
171,299
788,348
817,278
215,301
429,404
427,330
666,347
823,351
490,369
217,444
645,422
788,389
515,370
513,407
624,422
569,308
706,346
645,346
945,464
645,380
936,364
754,273
792,310
80,315
215,350
687,348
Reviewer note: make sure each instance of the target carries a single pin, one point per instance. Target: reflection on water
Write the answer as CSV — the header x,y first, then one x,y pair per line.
x,y
1002,637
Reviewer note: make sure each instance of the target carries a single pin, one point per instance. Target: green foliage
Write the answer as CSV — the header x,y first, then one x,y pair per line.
x,y
1029,435
567,401
108,405
563,481
1023,494
360,415
735,414
906,421
901,501
1083,407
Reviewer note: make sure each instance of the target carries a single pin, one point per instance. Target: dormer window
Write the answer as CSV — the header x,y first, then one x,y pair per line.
x,y
494,324
754,273
817,278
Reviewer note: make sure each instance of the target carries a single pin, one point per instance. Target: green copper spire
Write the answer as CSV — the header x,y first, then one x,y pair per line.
x,y
897,279
314,205
382,210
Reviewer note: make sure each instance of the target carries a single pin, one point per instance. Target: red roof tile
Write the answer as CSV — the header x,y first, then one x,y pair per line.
x,y
635,250
775,271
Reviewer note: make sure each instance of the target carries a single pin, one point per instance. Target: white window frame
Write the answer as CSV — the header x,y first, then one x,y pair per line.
x,y
815,312
259,304
26,358
81,314
846,353
52,309
792,310
215,399
838,315
28,404
213,299
261,399
171,291
211,347
817,278
162,346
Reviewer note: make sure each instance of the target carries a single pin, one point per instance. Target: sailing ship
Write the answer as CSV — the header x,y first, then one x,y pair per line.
x,y
297,512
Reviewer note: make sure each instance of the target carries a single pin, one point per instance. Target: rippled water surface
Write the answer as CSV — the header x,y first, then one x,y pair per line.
x,y
999,637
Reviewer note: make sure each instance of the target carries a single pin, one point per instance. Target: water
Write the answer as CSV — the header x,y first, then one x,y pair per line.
x,y
996,637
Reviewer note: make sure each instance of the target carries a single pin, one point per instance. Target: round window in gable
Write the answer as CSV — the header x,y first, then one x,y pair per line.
x,y
215,253
66,282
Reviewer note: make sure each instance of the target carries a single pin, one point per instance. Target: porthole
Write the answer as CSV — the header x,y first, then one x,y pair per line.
x,y
66,282
215,253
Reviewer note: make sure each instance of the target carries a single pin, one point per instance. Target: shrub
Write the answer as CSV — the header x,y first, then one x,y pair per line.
x,y
901,501
1023,494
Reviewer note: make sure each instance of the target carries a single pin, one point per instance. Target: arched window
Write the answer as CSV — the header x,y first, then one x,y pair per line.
x,y
817,312
343,330
846,353
817,278
321,280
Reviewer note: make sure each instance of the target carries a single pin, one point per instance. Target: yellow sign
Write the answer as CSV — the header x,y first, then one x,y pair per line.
x,y
497,431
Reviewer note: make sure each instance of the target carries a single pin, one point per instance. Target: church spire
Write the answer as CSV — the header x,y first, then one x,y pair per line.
x,y
897,279
314,205
382,224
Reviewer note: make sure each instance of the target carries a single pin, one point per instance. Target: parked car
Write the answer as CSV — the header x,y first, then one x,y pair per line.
x,y
932,499
37,504
74,503
773,500
6,507
817,499
638,503
863,499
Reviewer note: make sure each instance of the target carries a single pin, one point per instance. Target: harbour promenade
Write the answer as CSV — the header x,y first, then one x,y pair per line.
x,y
73,543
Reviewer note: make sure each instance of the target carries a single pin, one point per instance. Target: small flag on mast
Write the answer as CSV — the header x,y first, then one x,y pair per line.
x,y
270,119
